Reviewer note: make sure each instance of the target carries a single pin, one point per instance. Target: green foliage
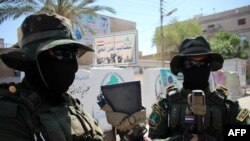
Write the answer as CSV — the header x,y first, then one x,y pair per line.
x,y
229,45
71,9
175,32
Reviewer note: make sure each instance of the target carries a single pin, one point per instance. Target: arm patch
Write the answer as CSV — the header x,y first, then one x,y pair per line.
x,y
157,114
154,119
157,108
243,114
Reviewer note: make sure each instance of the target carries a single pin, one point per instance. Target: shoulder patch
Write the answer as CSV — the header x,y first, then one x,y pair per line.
x,y
222,90
170,87
244,113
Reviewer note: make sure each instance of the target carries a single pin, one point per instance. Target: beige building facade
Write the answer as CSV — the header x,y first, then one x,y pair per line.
x,y
236,21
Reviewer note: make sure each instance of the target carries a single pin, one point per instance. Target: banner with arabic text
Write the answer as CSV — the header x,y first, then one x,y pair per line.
x,y
118,49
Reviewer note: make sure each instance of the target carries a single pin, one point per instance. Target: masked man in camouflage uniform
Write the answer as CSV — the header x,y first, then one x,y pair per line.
x,y
194,112
38,108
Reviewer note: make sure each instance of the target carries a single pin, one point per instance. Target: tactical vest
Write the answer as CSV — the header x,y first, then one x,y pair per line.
x,y
66,122
214,119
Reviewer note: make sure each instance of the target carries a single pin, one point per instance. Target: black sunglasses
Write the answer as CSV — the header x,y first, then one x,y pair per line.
x,y
190,63
64,54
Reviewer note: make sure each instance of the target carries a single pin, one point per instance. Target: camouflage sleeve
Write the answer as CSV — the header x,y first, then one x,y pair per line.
x,y
98,131
158,120
13,125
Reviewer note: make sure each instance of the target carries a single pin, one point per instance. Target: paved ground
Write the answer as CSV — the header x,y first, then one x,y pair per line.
x,y
245,101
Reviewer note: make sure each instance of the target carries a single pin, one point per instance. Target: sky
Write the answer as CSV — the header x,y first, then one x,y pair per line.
x,y
146,14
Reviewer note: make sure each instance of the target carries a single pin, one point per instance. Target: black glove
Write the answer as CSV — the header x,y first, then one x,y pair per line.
x,y
101,101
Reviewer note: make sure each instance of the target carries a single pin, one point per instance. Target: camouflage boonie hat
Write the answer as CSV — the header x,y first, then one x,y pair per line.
x,y
195,46
41,32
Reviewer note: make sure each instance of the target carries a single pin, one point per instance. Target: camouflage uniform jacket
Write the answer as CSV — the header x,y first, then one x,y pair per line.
x,y
25,117
168,114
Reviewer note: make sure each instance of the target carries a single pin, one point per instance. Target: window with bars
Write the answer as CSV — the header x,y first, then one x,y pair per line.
x,y
241,21
211,26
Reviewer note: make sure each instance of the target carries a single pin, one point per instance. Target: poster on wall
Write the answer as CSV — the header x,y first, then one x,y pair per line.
x,y
167,78
233,84
229,80
154,86
217,78
101,77
118,49
92,26
87,86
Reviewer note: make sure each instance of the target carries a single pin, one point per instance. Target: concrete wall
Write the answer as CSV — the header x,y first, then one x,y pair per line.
x,y
86,59
5,71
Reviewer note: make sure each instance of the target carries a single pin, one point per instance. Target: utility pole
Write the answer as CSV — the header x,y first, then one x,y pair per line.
x,y
161,29
161,42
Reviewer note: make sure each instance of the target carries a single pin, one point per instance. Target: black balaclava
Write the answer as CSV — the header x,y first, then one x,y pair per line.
x,y
51,75
196,78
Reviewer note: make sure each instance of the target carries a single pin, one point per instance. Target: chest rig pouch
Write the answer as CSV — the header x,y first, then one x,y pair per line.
x,y
67,123
215,114
214,117
177,105
176,108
